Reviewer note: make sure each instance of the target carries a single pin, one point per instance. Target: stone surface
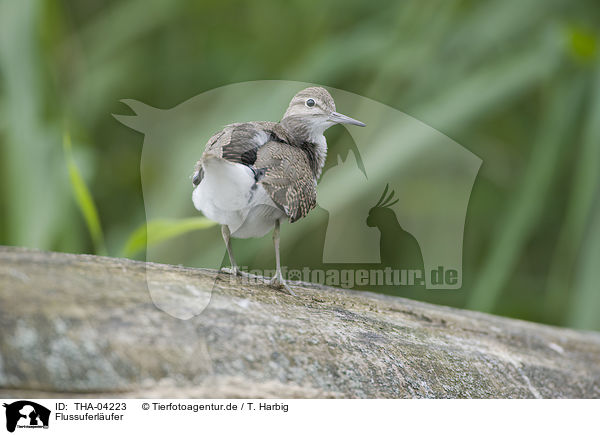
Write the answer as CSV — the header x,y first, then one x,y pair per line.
x,y
84,325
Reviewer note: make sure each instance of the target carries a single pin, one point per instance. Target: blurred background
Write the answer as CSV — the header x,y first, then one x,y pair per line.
x,y
517,83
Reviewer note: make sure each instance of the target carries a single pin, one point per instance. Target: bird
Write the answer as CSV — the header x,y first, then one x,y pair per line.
x,y
254,175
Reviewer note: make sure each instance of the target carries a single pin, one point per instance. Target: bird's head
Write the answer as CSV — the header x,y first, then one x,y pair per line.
x,y
314,109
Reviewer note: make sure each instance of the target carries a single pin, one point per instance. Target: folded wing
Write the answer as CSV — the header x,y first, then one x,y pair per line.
x,y
281,169
287,178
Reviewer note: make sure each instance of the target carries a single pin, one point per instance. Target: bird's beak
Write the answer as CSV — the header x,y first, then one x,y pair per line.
x,y
343,119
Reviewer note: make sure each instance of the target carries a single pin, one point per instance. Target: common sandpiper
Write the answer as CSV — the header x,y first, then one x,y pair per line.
x,y
252,175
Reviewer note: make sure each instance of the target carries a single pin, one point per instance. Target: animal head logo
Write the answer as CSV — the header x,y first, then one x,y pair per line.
x,y
363,245
430,176
26,414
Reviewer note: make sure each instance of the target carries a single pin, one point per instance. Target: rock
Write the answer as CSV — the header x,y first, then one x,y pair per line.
x,y
84,325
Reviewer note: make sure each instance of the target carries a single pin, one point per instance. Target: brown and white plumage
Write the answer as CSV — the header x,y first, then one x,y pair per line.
x,y
254,174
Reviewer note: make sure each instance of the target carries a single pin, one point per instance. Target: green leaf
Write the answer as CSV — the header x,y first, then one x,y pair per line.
x,y
84,199
160,230
583,44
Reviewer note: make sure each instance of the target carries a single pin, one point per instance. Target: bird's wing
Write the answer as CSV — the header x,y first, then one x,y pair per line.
x,y
286,176
236,143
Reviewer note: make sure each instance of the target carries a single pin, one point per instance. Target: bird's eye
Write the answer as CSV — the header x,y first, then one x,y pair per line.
x,y
310,102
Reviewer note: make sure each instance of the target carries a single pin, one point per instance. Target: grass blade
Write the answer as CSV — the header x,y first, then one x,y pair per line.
x,y
83,198
528,203
585,307
584,191
161,230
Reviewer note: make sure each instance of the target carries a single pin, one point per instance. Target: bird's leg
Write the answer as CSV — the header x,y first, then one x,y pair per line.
x,y
278,278
235,270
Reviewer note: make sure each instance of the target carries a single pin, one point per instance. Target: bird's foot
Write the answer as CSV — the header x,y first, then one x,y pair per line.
x,y
235,271
278,282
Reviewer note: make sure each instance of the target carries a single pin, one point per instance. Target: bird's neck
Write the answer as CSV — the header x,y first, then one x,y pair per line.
x,y
308,137
316,153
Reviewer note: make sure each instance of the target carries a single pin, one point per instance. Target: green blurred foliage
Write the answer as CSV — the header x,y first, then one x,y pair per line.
x,y
514,81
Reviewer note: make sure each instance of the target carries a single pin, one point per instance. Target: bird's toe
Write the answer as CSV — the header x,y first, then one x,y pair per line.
x,y
279,283
235,271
